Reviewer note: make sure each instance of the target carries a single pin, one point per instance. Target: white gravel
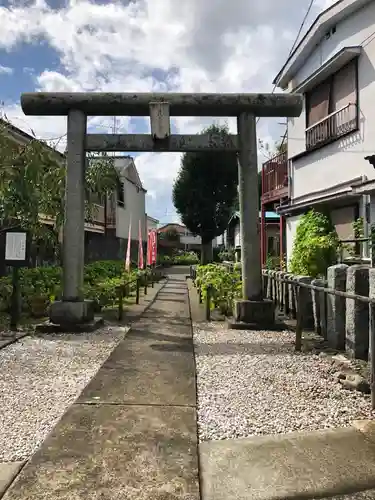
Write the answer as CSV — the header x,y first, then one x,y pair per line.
x,y
39,378
253,383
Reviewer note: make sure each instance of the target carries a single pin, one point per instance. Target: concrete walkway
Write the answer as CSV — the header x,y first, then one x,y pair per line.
x,y
132,433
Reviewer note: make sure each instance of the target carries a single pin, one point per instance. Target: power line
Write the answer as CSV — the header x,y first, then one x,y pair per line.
x,y
296,39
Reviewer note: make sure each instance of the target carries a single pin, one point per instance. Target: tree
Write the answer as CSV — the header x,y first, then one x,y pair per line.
x,y
170,235
205,191
32,186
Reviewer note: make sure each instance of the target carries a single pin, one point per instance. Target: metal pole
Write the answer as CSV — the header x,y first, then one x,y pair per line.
x,y
249,208
372,353
74,225
15,310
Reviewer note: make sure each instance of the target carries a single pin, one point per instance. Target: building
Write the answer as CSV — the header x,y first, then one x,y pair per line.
x,y
116,213
106,235
152,224
274,192
232,236
184,241
330,146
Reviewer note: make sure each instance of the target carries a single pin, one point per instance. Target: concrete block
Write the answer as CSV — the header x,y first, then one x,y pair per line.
x,y
357,313
257,312
69,313
336,306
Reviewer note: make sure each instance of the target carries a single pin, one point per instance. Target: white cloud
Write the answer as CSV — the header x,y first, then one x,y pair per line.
x,y
5,70
155,45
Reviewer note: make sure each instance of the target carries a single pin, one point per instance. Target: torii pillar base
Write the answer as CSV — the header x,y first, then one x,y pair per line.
x,y
254,315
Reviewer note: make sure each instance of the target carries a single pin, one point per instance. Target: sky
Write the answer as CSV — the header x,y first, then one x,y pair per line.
x,y
145,46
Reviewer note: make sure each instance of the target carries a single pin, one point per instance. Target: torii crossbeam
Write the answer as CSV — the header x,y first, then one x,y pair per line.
x,y
78,106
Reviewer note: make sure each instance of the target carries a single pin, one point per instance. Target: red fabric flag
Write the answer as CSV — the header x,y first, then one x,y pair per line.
x,y
140,248
127,258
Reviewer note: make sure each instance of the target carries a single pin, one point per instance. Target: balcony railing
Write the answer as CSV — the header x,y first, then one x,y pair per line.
x,y
275,178
332,127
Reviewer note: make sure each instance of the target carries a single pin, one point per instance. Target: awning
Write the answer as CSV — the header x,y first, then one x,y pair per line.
x,y
343,57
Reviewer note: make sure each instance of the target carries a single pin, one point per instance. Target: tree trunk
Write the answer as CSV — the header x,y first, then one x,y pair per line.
x,y
206,253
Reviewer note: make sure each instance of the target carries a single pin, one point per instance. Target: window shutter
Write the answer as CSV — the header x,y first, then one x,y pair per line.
x,y
318,103
344,86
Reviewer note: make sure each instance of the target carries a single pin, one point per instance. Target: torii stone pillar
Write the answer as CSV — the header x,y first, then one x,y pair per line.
x,y
73,309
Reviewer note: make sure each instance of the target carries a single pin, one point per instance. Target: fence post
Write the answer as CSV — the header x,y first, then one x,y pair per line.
x,y
372,352
208,303
137,286
287,277
120,304
318,299
300,294
145,289
336,306
15,310
357,318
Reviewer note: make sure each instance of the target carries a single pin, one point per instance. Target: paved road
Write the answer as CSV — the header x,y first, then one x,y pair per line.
x,y
132,433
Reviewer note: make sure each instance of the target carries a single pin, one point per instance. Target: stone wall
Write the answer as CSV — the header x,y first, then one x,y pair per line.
x,y
343,322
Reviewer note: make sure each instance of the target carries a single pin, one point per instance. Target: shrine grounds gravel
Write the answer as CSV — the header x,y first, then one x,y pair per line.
x,y
253,383
40,377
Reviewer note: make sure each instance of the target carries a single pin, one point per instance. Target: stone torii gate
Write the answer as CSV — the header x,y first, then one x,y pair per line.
x,y
73,309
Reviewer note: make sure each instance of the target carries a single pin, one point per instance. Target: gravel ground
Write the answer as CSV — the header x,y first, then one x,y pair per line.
x,y
39,378
253,383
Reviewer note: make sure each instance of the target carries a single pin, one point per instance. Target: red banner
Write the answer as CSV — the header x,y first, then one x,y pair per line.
x,y
149,245
127,258
153,247
140,248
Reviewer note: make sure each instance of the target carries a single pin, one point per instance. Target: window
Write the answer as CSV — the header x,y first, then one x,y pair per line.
x,y
120,194
331,107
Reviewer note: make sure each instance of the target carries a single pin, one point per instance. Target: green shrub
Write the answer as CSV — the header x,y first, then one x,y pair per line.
x,y
225,285
182,258
101,280
227,255
315,247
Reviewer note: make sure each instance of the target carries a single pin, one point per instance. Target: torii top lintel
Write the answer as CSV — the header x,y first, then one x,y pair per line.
x,y
181,104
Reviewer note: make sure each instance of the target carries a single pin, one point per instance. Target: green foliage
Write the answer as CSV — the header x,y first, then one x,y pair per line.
x,y
32,186
182,258
227,255
358,227
205,189
315,247
224,285
101,280
170,235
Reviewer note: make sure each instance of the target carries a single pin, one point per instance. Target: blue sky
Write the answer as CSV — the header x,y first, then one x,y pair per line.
x,y
139,46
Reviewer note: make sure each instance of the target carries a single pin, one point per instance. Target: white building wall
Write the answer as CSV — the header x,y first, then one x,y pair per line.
x,y
190,240
151,224
134,208
237,235
342,160
291,229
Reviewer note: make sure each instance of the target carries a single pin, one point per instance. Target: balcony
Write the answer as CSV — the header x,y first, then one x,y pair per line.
x,y
334,126
275,178
97,223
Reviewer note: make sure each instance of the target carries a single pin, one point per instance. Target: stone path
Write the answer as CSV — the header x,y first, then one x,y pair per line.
x,y
132,433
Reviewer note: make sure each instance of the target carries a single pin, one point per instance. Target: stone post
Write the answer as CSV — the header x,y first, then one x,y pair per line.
x,y
292,297
319,307
253,308
281,276
336,306
287,276
308,315
73,309
357,312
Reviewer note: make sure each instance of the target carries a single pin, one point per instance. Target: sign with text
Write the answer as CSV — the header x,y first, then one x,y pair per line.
x,y
15,246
